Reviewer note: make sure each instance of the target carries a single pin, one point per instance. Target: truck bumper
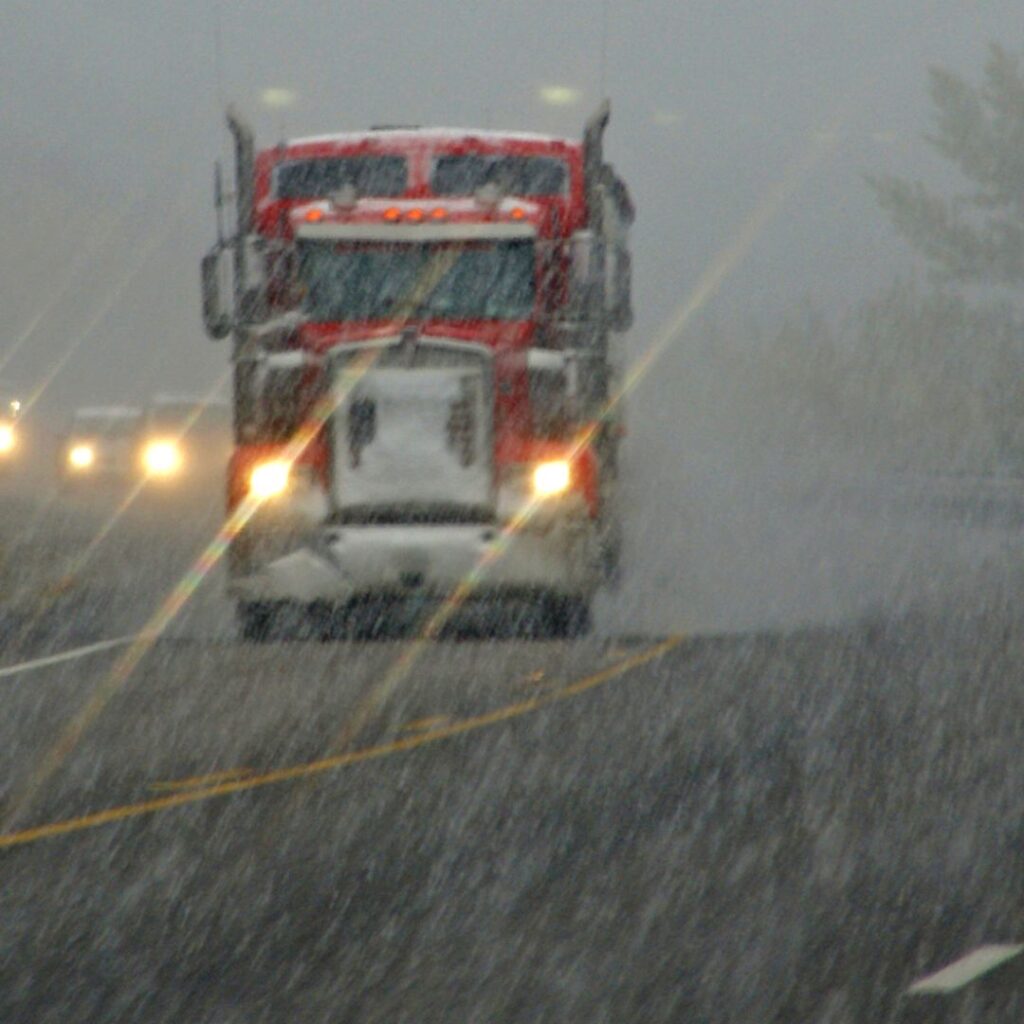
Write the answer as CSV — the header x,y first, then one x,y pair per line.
x,y
335,565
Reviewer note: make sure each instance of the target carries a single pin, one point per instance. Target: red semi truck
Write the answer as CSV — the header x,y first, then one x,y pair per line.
x,y
425,332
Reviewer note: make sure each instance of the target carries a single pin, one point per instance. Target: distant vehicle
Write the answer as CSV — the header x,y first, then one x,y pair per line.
x,y
10,438
184,437
101,444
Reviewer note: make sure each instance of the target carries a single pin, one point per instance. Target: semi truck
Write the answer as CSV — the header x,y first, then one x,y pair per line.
x,y
426,336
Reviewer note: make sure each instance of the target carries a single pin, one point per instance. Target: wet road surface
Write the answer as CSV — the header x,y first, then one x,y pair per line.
x,y
787,823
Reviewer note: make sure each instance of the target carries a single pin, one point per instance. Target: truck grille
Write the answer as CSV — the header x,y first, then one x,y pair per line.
x,y
412,436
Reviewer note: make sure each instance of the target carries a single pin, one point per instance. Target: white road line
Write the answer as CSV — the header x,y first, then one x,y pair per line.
x,y
965,970
74,653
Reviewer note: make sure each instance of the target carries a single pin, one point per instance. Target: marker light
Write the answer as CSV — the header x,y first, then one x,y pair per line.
x,y
312,216
518,213
8,439
414,214
269,479
551,478
81,456
392,213
559,95
162,458
438,213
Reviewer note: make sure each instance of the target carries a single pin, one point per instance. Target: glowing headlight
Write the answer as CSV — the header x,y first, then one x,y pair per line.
x,y
162,458
269,479
8,438
551,478
81,456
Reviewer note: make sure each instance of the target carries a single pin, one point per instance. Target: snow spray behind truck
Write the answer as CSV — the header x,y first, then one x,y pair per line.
x,y
425,335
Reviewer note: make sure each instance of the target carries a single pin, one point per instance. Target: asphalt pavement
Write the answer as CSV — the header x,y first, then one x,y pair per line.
x,y
786,822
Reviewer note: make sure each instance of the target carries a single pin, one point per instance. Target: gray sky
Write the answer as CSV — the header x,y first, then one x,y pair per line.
x,y
111,122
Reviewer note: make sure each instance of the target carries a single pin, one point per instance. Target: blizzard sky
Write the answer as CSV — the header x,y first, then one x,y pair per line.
x,y
111,120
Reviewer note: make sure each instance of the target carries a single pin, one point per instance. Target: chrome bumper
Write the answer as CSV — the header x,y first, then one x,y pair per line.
x,y
339,564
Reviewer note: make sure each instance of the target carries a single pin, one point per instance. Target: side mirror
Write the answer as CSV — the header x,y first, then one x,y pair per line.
x,y
216,287
585,252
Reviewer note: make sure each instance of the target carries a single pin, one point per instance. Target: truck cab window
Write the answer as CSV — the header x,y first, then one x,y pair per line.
x,y
319,177
462,175
479,280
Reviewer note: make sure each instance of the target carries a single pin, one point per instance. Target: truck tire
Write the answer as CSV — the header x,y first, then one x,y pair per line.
x,y
255,621
567,618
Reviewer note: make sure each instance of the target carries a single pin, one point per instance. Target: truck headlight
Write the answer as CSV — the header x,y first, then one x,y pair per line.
x,y
81,456
162,458
551,478
269,479
8,438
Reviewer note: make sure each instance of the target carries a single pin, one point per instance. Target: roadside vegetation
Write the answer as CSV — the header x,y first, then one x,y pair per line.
x,y
927,376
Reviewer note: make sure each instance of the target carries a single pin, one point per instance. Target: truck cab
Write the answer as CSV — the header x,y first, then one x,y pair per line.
x,y
421,394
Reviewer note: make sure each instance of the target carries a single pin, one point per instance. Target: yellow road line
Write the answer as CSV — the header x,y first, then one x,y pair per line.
x,y
312,768
422,724
201,781
124,668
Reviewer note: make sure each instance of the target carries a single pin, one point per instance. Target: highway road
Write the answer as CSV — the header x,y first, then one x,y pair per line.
x,y
776,815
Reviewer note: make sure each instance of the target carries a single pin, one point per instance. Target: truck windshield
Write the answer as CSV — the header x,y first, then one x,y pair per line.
x,y
465,281
463,174
319,177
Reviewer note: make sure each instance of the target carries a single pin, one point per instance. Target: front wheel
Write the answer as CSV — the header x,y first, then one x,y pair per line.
x,y
255,621
263,622
566,618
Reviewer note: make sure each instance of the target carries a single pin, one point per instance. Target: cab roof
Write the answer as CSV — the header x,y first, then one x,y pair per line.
x,y
412,136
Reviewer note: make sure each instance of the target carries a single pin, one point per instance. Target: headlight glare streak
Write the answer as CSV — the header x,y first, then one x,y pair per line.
x,y
551,478
269,479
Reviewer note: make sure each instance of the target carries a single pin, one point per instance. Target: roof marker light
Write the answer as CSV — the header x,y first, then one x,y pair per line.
x,y
518,213
392,213
439,213
312,216
414,214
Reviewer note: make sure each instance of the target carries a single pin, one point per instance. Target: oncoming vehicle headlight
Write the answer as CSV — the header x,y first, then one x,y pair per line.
x,y
162,458
269,479
551,478
8,438
81,456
